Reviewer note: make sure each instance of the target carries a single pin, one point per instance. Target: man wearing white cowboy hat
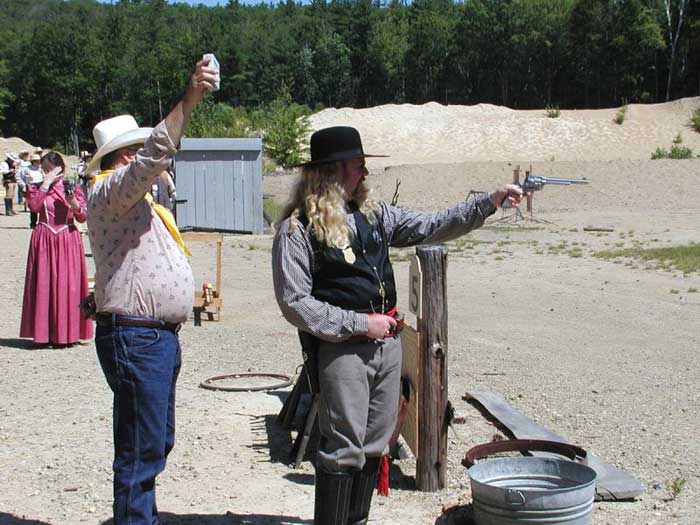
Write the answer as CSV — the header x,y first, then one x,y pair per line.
x,y
32,174
81,170
143,291
22,187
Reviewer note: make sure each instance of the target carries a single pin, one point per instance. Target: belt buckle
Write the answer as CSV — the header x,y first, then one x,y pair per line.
x,y
177,329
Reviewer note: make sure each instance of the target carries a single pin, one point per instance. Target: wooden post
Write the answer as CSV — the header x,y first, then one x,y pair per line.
x,y
431,468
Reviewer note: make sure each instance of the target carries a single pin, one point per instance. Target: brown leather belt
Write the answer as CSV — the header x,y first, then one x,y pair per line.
x,y
572,452
107,319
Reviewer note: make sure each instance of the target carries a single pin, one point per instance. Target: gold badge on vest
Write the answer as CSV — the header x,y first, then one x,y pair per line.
x,y
349,255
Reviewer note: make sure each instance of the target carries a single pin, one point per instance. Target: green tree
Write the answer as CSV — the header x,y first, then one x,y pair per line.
x,y
431,30
332,71
5,93
388,48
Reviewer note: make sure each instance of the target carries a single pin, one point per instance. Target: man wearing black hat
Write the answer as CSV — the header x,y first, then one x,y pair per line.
x,y
334,281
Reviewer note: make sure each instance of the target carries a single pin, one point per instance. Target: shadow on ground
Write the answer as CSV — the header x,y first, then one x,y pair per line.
x,y
271,442
457,515
230,518
11,519
20,344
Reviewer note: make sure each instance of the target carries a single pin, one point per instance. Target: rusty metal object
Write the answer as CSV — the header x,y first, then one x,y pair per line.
x,y
209,384
567,450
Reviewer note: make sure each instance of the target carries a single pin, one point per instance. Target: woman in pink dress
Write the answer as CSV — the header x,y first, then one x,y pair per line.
x,y
56,279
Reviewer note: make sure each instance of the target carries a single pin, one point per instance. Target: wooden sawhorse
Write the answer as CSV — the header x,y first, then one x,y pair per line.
x,y
201,302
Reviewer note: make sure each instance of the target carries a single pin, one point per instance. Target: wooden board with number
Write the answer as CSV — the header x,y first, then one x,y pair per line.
x,y
411,370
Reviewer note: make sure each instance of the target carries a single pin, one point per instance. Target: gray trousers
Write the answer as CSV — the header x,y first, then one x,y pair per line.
x,y
360,386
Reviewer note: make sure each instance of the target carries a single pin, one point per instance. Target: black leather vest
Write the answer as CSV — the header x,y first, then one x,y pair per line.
x,y
362,281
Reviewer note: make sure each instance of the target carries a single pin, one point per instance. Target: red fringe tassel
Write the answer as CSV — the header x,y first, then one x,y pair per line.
x,y
383,478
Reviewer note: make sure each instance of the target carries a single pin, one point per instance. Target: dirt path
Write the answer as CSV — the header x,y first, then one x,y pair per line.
x,y
602,352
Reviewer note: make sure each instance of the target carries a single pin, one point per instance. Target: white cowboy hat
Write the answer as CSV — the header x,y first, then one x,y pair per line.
x,y
113,134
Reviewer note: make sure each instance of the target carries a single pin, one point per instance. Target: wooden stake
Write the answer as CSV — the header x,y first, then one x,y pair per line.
x,y
431,468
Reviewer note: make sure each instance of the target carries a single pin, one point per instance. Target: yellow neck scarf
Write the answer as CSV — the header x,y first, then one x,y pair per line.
x,y
161,211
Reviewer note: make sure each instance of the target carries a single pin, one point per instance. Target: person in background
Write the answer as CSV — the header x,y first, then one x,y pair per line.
x,y
56,277
81,169
144,290
32,175
8,169
21,186
334,282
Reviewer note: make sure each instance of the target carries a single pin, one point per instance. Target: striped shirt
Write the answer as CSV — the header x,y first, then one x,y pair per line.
x,y
293,264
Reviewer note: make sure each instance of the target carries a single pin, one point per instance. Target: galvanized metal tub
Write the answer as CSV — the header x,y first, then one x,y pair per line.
x,y
532,490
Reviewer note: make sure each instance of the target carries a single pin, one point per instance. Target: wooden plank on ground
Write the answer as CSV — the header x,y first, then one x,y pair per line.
x,y
612,483
411,370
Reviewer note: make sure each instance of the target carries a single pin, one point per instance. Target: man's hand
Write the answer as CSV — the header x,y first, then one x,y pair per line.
x,y
201,83
380,326
509,192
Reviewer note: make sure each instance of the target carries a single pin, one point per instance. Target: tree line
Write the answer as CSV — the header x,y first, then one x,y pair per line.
x,y
64,65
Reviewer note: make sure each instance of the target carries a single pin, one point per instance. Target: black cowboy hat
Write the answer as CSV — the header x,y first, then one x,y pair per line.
x,y
336,143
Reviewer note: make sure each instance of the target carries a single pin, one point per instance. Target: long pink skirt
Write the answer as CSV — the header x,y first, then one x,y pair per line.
x,y
56,282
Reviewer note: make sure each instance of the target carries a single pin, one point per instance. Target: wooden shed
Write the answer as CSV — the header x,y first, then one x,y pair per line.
x,y
219,185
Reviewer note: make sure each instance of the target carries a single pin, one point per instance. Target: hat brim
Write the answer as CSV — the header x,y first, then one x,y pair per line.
x,y
318,162
135,136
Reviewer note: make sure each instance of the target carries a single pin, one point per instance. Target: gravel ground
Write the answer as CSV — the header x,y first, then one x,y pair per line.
x,y
600,352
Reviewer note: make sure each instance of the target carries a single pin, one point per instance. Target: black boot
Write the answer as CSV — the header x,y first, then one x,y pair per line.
x,y
332,497
7,206
364,483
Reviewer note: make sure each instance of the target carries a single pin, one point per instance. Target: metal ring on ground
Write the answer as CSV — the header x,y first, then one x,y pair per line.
x,y
209,383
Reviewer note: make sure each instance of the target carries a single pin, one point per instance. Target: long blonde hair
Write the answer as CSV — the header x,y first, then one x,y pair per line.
x,y
319,196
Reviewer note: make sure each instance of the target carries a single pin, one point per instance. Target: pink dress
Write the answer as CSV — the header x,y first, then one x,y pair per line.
x,y
56,279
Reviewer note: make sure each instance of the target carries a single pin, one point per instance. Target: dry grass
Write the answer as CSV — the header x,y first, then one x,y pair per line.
x,y
684,258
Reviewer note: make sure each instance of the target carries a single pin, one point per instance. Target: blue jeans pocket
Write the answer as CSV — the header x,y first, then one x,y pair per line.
x,y
140,338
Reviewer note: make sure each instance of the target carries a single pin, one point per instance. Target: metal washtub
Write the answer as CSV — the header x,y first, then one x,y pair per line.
x,y
532,490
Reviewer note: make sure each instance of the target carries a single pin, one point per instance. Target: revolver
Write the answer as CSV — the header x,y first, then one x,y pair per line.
x,y
532,183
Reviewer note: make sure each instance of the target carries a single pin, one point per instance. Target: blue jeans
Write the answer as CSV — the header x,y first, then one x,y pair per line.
x,y
141,366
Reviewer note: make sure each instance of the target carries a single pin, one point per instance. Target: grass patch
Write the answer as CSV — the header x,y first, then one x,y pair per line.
x,y
272,209
695,120
401,254
675,487
677,151
621,115
511,229
464,244
552,111
684,258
